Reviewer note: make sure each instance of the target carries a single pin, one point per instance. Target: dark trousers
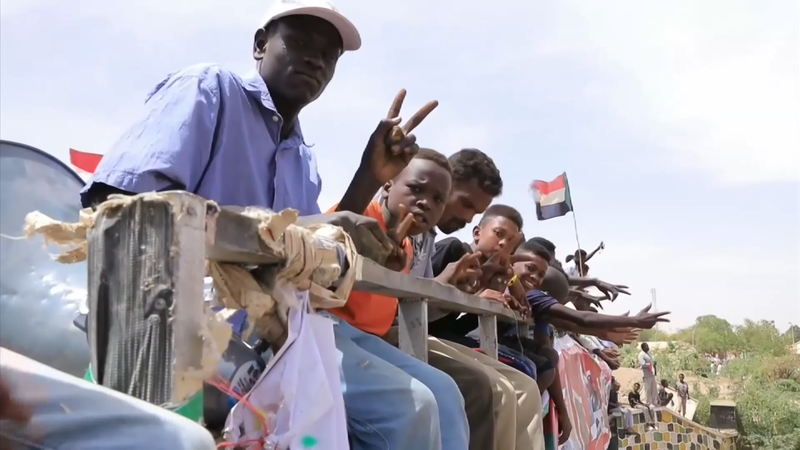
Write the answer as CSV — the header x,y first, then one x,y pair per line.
x,y
476,388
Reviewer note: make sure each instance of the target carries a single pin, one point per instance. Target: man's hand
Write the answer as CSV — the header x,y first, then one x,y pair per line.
x,y
464,272
609,358
611,291
368,236
391,147
584,296
564,427
11,410
647,320
622,336
496,296
519,294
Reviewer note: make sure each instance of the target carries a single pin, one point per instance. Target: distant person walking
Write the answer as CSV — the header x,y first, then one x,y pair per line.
x,y
683,394
648,375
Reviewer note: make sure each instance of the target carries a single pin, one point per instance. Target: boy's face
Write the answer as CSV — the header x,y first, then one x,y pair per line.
x,y
680,377
531,271
494,234
664,383
423,187
636,387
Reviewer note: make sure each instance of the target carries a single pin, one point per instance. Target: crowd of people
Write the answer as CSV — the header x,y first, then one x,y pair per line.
x,y
237,141
655,395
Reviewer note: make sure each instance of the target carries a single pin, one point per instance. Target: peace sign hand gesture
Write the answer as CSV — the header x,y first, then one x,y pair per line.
x,y
647,320
397,258
463,272
391,147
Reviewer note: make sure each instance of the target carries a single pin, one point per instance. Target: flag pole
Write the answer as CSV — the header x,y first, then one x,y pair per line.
x,y
575,226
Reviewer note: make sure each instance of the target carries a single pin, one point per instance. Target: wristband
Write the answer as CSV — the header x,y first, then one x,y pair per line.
x,y
513,280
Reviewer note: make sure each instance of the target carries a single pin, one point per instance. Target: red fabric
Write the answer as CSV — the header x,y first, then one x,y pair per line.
x,y
545,187
84,161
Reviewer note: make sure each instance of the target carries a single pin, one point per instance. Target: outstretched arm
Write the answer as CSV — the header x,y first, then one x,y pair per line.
x,y
587,319
594,252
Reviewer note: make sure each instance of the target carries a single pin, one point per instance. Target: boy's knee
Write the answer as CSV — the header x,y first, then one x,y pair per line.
x,y
423,395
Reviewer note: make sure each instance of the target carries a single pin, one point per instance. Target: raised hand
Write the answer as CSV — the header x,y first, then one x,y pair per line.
x,y
622,336
463,272
647,320
397,260
611,291
497,270
580,295
391,146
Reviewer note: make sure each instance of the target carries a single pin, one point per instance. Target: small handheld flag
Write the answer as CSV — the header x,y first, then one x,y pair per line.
x,y
552,198
85,163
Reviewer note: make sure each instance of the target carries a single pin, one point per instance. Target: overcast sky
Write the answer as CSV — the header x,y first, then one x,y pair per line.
x,y
677,122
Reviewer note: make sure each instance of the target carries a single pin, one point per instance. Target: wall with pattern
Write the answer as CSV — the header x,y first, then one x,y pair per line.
x,y
672,432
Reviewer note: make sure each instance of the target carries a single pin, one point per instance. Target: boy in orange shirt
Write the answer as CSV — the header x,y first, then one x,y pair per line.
x,y
379,382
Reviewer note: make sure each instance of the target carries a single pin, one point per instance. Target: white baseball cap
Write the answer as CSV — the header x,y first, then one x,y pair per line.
x,y
323,9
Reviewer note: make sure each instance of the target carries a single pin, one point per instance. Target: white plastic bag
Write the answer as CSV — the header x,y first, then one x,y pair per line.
x,y
299,393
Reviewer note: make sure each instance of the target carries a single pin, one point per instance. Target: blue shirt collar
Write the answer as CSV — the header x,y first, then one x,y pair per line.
x,y
256,87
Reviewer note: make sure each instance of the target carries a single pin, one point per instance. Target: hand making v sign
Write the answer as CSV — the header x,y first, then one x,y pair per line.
x,y
392,146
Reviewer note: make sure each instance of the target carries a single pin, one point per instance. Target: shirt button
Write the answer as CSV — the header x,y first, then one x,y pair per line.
x,y
275,118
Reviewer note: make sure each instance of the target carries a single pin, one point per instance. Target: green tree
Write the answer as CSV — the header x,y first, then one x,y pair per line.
x,y
762,338
714,335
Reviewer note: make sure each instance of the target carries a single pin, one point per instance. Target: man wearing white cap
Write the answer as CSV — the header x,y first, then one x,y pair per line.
x,y
237,141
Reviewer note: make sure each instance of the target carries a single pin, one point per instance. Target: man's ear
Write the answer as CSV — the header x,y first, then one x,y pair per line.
x,y
259,44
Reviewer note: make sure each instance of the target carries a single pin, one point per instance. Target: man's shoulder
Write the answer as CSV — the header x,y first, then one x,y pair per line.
x,y
454,243
208,71
213,77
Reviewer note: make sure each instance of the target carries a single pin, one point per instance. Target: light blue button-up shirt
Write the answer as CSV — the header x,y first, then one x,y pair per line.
x,y
208,131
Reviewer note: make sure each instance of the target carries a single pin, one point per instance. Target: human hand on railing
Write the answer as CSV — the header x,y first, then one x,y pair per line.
x,y
368,236
11,410
397,259
391,147
496,296
497,270
463,273
519,293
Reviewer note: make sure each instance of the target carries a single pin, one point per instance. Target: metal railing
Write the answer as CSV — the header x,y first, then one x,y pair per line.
x,y
152,251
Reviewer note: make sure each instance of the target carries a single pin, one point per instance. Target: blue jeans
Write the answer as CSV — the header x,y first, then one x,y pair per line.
x,y
70,413
395,401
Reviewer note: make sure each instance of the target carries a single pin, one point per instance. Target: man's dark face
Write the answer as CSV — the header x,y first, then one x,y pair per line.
x,y
645,347
680,377
297,57
466,200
